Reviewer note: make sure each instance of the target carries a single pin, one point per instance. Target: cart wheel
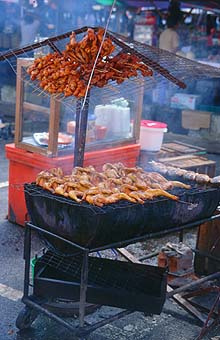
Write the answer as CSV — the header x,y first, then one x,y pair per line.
x,y
69,308
26,317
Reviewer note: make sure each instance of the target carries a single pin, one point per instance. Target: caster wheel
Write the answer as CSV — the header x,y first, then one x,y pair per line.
x,y
26,317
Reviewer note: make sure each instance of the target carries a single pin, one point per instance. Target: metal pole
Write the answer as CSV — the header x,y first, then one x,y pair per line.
x,y
205,254
51,315
83,288
205,326
77,129
193,284
27,258
80,135
148,256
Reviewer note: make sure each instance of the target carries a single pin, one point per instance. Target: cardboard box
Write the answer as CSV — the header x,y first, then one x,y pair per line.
x,y
185,101
195,120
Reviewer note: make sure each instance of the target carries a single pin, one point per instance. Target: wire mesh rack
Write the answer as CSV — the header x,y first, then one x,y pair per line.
x,y
164,64
105,273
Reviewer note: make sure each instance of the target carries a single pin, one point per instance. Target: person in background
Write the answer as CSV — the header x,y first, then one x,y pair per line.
x,y
169,41
29,28
2,18
174,10
169,38
47,12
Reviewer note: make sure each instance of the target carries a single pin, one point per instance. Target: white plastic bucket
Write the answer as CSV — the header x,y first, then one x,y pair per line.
x,y
151,135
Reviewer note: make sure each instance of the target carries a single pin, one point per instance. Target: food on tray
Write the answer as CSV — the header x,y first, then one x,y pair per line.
x,y
68,72
186,174
116,182
63,138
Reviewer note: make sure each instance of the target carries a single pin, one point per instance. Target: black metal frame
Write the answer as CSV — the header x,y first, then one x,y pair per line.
x,y
33,303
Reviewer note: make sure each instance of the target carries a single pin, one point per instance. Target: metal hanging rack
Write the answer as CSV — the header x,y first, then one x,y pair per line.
x,y
165,65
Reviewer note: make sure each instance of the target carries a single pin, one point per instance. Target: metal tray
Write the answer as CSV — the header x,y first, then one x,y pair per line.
x,y
136,287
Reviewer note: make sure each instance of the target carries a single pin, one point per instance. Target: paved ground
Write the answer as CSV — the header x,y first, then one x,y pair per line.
x,y
173,324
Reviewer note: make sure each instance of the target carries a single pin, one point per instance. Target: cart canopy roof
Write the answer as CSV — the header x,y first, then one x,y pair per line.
x,y
163,4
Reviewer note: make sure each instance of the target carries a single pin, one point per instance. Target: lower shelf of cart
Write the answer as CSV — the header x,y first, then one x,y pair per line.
x,y
52,283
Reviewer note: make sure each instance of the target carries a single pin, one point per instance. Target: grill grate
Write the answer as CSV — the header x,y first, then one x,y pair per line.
x,y
36,190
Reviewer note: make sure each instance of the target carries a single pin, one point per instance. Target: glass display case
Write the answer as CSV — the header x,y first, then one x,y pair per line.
x,y
46,124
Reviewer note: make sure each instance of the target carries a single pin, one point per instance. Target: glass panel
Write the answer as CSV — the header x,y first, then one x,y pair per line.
x,y
112,116
35,111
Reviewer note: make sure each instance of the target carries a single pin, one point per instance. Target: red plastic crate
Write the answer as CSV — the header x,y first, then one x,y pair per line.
x,y
25,165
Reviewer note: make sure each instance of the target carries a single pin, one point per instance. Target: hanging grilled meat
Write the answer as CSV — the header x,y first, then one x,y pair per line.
x,y
68,72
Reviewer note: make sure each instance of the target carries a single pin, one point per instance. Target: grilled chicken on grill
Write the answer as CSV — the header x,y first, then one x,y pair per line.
x,y
177,184
115,183
151,193
76,195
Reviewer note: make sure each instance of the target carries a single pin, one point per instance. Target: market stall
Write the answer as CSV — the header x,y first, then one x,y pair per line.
x,y
46,133
44,136
123,198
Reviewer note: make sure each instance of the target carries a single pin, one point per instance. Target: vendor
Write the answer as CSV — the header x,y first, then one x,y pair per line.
x,y
169,38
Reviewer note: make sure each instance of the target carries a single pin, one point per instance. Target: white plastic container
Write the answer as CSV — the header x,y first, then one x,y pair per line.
x,y
151,135
120,123
115,117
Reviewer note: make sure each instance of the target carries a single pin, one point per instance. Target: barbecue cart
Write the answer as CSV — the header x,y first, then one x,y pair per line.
x,y
69,268
66,271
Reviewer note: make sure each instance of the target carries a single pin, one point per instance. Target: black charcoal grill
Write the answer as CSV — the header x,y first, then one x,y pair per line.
x,y
93,227
80,274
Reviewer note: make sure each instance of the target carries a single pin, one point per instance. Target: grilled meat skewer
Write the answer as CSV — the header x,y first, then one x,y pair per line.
x,y
188,175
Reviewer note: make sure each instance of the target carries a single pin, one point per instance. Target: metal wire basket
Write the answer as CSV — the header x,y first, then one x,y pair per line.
x,y
166,67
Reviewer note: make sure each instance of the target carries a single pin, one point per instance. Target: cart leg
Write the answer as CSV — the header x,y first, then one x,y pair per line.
x,y
27,258
83,288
